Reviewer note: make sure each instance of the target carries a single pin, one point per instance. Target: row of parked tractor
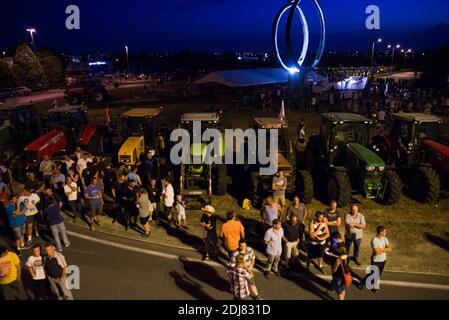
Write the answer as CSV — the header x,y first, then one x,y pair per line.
x,y
412,156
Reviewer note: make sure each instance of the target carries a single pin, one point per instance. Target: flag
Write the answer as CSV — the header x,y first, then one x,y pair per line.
x,y
282,111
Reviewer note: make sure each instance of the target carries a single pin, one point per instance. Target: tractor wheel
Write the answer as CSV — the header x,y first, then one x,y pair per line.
x,y
425,185
221,184
304,186
309,160
393,191
73,100
339,188
97,96
255,190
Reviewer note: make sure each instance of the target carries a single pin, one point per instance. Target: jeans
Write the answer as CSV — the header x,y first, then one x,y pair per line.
x,y
74,207
211,249
13,291
357,243
273,263
59,289
40,289
57,229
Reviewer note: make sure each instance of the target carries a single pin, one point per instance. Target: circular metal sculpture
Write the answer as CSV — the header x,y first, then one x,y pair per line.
x,y
292,63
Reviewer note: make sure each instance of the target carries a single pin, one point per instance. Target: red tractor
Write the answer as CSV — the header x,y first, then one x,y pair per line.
x,y
86,90
414,145
66,127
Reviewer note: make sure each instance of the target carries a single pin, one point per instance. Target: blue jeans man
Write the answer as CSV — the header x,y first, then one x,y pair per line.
x,y
356,242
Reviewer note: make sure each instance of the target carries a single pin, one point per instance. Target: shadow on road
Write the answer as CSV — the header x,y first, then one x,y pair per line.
x,y
437,240
205,273
191,287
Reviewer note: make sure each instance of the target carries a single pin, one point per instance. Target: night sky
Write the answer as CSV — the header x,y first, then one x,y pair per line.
x,y
204,25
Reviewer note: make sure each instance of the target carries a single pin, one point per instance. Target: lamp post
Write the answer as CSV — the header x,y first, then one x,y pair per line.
x,y
398,46
127,58
372,53
405,55
32,31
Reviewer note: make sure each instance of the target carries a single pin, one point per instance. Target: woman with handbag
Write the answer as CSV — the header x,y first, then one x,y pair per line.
x,y
341,277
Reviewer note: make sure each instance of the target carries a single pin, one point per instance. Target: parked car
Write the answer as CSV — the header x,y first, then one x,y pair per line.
x,y
39,88
22,91
6,93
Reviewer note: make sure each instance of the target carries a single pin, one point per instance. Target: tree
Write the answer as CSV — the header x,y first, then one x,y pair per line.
x,y
27,68
6,75
52,68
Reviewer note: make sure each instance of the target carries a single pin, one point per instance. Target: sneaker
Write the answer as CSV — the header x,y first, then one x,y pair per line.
x,y
19,253
257,298
185,228
29,243
357,262
25,247
91,227
267,274
67,245
277,273
59,250
206,258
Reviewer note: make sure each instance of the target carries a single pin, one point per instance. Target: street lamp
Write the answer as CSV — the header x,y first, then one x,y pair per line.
x,y
398,46
405,55
32,31
127,58
372,54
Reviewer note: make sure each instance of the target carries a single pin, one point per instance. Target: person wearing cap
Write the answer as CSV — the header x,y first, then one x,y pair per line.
x,y
209,223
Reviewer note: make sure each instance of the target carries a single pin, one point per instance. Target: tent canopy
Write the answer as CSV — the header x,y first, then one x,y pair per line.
x,y
252,77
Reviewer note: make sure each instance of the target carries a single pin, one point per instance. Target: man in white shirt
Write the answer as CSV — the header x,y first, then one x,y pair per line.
x,y
82,163
35,266
28,206
71,191
168,195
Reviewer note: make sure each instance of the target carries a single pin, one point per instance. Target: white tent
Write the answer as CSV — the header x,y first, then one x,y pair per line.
x,y
252,77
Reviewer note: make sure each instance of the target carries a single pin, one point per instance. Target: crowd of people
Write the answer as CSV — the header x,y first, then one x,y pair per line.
x,y
78,184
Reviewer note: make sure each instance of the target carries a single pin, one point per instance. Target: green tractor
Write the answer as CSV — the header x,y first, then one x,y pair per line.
x,y
19,125
299,182
340,163
202,180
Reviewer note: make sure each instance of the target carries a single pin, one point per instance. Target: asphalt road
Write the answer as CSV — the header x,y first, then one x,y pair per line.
x,y
117,268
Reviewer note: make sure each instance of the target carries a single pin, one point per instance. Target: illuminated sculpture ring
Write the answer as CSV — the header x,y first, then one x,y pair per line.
x,y
294,65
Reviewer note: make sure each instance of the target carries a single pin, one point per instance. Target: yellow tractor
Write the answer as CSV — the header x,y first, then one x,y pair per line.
x,y
139,130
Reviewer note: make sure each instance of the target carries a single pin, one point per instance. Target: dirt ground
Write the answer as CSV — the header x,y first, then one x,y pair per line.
x,y
418,232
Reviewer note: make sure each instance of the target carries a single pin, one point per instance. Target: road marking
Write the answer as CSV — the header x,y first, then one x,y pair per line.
x,y
134,249
416,285
393,283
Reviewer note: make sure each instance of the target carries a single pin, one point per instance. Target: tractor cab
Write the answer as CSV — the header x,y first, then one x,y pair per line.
x,y
410,130
201,179
19,125
63,128
140,129
285,146
340,130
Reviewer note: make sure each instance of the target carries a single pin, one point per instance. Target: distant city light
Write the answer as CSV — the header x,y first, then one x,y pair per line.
x,y
97,63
